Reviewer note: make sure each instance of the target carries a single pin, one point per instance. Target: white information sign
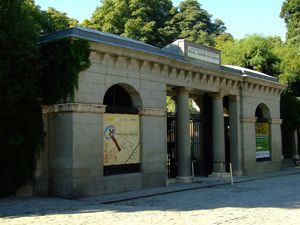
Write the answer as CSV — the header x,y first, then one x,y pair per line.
x,y
203,55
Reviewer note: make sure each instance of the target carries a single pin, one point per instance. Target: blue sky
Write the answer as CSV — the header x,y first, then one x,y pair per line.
x,y
241,17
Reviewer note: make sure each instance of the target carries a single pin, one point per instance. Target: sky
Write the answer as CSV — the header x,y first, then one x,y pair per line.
x,y
241,17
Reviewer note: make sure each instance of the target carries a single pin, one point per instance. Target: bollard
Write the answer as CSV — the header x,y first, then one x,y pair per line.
x,y
231,176
221,164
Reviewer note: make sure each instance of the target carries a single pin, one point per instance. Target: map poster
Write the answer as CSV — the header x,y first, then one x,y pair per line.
x,y
121,139
262,140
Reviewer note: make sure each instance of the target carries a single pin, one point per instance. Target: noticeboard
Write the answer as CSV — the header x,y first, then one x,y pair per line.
x,y
262,140
121,139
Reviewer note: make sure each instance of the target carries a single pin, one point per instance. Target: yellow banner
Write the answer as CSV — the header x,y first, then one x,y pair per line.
x,y
121,139
262,140
262,129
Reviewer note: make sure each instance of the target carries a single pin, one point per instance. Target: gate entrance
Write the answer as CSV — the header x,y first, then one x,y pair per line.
x,y
195,135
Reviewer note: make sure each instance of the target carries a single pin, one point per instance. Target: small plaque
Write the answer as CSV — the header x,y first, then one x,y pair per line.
x,y
203,55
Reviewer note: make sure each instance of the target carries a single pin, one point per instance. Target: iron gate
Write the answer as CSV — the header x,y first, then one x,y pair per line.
x,y
195,135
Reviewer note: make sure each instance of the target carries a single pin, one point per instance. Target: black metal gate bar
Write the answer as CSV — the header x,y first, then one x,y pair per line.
x,y
195,135
171,138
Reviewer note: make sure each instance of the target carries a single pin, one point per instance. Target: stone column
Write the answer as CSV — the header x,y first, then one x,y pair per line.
x,y
235,134
218,133
184,173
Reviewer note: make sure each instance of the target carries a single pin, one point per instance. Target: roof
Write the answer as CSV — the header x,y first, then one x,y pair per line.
x,y
119,41
251,73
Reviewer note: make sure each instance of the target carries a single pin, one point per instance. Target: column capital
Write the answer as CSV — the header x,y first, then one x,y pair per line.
x,y
182,90
217,95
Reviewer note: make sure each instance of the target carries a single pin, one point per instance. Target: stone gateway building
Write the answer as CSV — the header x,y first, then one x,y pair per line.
x,y
117,135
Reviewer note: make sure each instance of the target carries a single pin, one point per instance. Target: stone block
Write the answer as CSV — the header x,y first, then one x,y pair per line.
x,y
116,72
134,181
151,180
97,68
261,167
87,187
61,187
134,74
41,185
114,184
150,166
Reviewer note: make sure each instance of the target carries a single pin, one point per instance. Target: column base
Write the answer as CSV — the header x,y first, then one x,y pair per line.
x,y
184,179
170,181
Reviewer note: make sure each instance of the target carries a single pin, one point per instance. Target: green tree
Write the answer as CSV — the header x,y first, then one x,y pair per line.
x,y
53,20
290,12
21,126
170,104
26,71
290,76
157,22
253,52
111,16
290,66
222,39
142,20
194,23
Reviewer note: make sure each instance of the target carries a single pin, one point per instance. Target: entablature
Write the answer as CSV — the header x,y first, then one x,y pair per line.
x,y
177,70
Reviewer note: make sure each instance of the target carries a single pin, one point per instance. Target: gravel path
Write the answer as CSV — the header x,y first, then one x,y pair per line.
x,y
273,200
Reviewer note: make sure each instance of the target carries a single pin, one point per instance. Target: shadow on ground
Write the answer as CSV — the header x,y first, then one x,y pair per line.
x,y
275,192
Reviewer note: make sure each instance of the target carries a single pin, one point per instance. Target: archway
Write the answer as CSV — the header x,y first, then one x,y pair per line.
x,y
122,98
121,130
262,133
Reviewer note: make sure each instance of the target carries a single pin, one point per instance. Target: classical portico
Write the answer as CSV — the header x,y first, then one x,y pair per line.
x,y
114,141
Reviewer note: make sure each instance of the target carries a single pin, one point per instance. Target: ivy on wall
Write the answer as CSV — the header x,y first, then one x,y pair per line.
x,y
52,76
31,75
63,59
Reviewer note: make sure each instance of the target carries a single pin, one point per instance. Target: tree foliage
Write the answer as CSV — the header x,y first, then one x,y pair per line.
x,y
290,54
254,52
156,22
290,12
52,20
194,24
24,69
21,126
138,19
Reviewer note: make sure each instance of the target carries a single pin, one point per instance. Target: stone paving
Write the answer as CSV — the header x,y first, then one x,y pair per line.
x,y
263,199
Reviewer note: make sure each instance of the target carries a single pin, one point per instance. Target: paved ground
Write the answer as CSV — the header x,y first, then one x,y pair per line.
x,y
271,200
